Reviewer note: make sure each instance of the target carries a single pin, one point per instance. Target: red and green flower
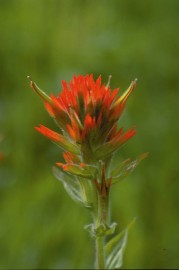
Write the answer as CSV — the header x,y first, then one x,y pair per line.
x,y
87,113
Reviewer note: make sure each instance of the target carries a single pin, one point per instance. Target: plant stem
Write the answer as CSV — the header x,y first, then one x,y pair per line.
x,y
102,220
100,256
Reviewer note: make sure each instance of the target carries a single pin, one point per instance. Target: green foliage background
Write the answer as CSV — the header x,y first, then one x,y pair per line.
x,y
40,226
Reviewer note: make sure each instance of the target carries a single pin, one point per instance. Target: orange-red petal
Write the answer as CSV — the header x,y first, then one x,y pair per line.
x,y
54,136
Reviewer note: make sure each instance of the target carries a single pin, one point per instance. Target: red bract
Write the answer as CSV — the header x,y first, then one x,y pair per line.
x,y
87,112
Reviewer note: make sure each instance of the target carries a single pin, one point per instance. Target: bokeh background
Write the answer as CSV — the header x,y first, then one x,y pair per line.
x,y
40,226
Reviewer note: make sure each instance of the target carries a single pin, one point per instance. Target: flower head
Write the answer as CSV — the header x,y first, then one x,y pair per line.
x,y
87,112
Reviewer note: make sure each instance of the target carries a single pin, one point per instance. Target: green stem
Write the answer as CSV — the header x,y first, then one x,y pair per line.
x,y
100,256
102,220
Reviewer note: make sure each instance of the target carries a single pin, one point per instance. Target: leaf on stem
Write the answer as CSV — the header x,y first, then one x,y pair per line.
x,y
125,168
71,186
114,249
82,170
101,230
113,145
58,139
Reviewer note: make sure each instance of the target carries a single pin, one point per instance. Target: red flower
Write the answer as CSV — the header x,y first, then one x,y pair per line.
x,y
87,112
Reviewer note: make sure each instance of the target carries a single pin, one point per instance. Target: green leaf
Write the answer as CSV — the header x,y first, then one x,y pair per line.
x,y
105,150
71,186
96,232
117,171
101,230
113,145
111,229
90,229
68,146
40,92
86,171
126,167
124,97
114,249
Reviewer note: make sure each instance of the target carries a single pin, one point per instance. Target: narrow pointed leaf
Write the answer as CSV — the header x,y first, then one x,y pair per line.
x,y
119,168
114,249
125,168
40,92
127,93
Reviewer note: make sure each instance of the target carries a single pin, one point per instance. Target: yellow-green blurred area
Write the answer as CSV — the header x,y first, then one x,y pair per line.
x,y
51,40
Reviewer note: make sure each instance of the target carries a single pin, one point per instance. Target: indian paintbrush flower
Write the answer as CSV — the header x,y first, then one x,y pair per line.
x,y
87,114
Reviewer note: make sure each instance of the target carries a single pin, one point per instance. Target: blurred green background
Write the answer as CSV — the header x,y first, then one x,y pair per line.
x,y
40,226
